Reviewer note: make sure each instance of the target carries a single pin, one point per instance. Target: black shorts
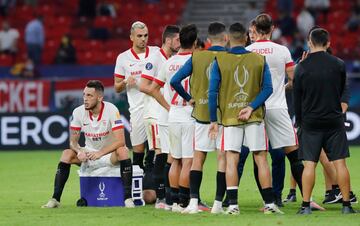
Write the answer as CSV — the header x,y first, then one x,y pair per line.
x,y
333,142
148,181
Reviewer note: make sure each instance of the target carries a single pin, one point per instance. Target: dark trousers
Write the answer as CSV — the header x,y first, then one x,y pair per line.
x,y
34,53
278,167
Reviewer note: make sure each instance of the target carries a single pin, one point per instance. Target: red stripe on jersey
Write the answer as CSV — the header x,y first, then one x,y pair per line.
x,y
149,77
101,112
266,140
147,52
75,128
296,137
263,40
163,53
119,76
153,136
290,64
161,83
193,141
134,54
118,127
157,129
222,146
184,53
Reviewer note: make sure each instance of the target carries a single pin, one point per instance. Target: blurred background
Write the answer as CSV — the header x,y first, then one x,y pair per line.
x,y
50,48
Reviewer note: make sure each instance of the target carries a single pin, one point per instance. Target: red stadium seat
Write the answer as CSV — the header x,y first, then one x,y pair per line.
x,y
6,60
104,22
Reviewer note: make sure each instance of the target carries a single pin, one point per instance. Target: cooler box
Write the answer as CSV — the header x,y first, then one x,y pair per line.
x,y
104,187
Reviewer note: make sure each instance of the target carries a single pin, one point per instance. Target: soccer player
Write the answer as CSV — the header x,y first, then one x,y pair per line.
x,y
278,124
277,156
128,69
104,142
198,68
240,82
153,111
181,124
319,115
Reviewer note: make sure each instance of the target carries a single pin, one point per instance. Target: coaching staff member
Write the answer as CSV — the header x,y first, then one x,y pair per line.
x,y
318,87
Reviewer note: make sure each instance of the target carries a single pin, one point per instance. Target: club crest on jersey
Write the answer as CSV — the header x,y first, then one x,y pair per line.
x,y
148,66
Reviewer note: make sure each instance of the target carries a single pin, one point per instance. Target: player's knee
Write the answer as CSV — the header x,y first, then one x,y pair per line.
x,y
122,153
149,196
67,156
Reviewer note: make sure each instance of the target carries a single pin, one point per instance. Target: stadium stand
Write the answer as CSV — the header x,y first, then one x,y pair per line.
x,y
60,18
345,44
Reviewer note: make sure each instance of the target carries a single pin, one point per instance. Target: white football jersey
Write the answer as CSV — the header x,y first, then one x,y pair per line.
x,y
98,130
129,64
180,110
151,68
278,58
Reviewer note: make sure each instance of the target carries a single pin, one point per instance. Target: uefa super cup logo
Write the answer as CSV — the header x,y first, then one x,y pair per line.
x,y
241,95
102,189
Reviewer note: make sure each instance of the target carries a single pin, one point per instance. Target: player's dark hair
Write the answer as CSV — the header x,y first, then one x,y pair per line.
x,y
216,28
200,44
169,32
263,23
96,84
188,36
319,37
238,32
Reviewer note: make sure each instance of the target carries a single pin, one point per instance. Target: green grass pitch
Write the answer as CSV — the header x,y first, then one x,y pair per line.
x,y
26,182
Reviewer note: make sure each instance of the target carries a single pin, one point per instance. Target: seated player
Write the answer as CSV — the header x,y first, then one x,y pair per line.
x,y
104,142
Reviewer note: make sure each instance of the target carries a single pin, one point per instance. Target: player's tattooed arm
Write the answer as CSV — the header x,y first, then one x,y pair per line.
x,y
74,140
74,145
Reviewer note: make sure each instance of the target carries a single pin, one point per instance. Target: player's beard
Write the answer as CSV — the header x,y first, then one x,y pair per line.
x,y
173,50
89,107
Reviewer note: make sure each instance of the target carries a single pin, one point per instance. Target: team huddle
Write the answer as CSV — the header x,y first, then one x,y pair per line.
x,y
184,103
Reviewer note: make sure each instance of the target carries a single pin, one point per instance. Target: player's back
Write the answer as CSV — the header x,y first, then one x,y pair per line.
x,y
278,59
180,110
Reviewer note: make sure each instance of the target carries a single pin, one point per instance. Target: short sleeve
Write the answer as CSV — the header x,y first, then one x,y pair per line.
x,y
160,79
150,68
288,60
75,123
115,119
119,68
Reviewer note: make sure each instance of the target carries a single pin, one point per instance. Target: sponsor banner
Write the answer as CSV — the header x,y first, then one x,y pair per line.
x,y
34,131
40,131
69,93
24,96
353,126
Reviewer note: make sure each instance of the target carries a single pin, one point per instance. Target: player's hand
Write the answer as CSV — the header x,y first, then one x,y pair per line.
x,y
304,55
131,81
94,155
245,113
289,85
81,155
213,130
192,102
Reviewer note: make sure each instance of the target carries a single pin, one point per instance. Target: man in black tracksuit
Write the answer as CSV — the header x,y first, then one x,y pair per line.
x,y
318,87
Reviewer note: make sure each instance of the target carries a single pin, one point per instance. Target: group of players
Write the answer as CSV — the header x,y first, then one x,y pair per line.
x,y
186,103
